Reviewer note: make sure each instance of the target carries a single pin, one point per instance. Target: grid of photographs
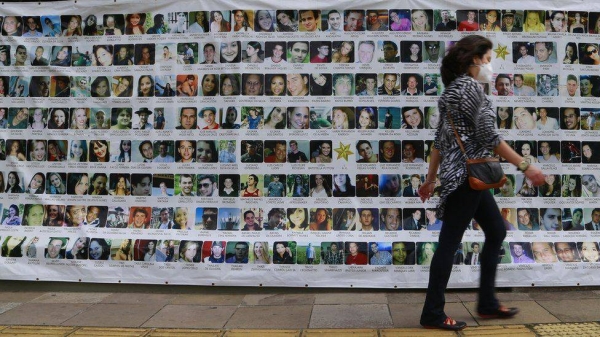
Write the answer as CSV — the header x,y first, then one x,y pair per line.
x,y
156,135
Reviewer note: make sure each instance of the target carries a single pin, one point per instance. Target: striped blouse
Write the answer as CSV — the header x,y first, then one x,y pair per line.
x,y
471,111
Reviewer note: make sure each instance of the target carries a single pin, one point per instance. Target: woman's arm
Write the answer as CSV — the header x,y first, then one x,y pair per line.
x,y
426,190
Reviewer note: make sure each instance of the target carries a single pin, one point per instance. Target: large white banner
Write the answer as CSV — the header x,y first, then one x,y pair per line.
x,y
281,144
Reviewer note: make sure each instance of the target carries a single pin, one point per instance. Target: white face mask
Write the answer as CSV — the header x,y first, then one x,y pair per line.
x,y
485,73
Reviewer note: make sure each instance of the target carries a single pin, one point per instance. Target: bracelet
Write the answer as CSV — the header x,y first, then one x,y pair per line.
x,y
429,181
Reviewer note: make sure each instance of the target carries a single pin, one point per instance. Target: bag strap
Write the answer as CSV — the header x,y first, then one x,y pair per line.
x,y
462,148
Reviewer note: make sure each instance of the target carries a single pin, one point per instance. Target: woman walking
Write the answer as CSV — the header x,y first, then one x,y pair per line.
x,y
465,103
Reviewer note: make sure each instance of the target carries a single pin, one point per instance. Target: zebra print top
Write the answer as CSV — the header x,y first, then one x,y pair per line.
x,y
471,111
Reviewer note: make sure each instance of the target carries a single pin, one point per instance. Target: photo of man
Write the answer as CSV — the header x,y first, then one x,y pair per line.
x,y
334,21
141,184
389,85
298,52
354,20
309,20
187,118
207,185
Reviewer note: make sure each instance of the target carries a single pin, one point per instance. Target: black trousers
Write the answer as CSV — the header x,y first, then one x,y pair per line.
x,y
463,205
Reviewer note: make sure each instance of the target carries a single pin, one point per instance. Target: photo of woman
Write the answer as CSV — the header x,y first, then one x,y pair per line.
x,y
56,183
230,52
298,185
263,21
145,86
260,253
37,184
15,150
37,150
135,23
283,253
78,151
13,183
218,22
54,216
241,21
78,183
58,120
100,87
11,216
102,56
230,84
298,218
73,26
99,151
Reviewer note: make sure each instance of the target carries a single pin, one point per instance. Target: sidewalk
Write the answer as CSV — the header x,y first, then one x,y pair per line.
x,y
71,309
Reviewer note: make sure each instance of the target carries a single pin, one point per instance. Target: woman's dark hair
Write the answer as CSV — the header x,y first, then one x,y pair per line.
x,y
509,119
321,90
237,57
325,184
52,124
42,188
94,177
246,22
283,243
235,83
97,82
573,45
107,47
280,125
258,28
215,90
213,149
16,208
105,248
544,189
304,223
579,247
302,185
147,250
349,187
81,254
269,78
93,157
151,88
90,30
72,180
122,153
16,251
17,187
577,191
460,56
551,18
129,27
255,45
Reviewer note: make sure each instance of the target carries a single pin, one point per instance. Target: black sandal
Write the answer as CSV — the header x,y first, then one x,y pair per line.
x,y
501,312
448,324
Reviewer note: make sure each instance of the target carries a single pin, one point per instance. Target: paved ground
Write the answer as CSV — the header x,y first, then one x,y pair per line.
x,y
66,308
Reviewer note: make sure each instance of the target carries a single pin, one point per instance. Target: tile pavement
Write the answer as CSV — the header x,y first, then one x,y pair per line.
x,y
135,306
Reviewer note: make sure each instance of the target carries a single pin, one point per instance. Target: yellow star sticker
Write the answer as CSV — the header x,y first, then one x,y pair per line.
x,y
501,51
343,151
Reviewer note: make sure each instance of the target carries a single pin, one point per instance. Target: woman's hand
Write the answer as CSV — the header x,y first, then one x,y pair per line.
x,y
426,191
536,175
